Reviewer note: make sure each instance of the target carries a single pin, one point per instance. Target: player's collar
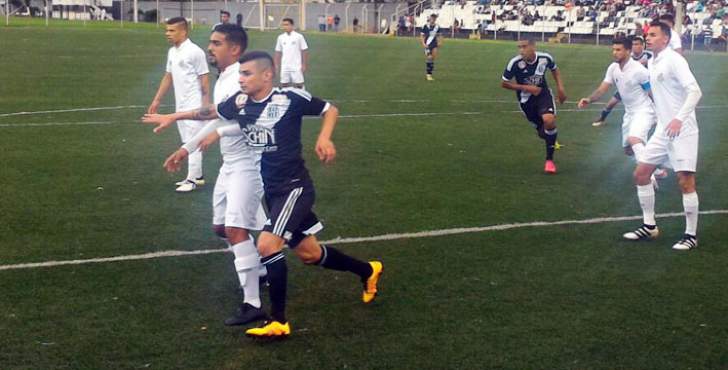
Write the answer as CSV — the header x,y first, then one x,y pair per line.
x,y
266,97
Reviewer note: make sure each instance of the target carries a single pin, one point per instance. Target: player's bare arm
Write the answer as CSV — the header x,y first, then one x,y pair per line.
x,y
561,92
531,89
325,148
165,120
205,87
304,59
164,86
277,61
598,93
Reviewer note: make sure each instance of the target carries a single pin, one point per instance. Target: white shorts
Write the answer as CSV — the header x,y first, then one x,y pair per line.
x,y
295,77
236,200
637,124
681,152
188,128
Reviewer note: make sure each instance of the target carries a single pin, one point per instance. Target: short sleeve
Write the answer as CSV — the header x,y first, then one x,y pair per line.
x,y
228,109
169,63
508,72
303,44
199,63
551,64
609,76
315,107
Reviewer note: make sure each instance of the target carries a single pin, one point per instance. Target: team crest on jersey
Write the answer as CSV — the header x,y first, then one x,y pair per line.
x,y
522,65
241,100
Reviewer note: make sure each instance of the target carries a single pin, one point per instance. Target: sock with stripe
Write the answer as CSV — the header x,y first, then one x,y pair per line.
x,y
605,112
691,204
333,259
278,281
430,65
550,139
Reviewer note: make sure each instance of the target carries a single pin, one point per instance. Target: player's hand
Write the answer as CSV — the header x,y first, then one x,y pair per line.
x,y
209,140
154,107
562,96
534,90
174,161
161,120
325,150
583,103
673,128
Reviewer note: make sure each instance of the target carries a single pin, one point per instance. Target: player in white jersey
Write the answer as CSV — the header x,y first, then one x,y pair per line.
x,y
633,85
237,206
676,94
675,42
187,72
291,55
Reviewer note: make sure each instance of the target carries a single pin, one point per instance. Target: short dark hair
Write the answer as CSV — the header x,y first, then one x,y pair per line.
x,y
433,16
234,34
289,20
258,56
178,20
667,17
627,43
638,38
530,38
225,12
663,27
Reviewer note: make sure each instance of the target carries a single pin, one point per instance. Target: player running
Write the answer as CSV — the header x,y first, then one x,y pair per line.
x,y
270,119
534,96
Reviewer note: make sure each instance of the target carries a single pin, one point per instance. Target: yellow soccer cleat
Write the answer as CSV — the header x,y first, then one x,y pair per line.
x,y
370,286
270,329
557,146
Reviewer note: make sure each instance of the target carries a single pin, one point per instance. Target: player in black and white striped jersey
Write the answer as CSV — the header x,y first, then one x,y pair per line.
x,y
431,43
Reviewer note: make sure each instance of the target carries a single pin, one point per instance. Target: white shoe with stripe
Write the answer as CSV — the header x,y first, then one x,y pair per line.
x,y
642,233
687,243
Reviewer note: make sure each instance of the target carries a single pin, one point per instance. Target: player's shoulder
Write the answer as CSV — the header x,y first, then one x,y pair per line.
x,y
541,54
513,61
293,93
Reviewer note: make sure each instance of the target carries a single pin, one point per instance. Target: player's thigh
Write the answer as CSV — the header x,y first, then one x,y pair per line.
x,y
287,211
639,125
297,77
656,150
219,199
244,193
530,110
285,77
683,153
546,109
435,52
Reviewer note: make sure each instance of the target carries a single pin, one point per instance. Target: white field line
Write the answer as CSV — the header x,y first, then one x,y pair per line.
x,y
363,239
43,124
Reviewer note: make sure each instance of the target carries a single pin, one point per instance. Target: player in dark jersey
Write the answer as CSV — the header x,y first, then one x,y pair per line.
x,y
270,119
639,54
537,103
431,43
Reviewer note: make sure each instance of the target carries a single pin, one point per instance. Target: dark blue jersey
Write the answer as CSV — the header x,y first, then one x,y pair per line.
x,y
430,34
644,57
273,125
533,73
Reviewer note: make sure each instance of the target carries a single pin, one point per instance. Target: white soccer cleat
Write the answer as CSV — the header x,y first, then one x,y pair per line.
x,y
186,187
198,181
642,233
598,123
687,243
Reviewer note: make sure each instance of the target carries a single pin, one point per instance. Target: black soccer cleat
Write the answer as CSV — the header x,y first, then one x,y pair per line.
x,y
245,314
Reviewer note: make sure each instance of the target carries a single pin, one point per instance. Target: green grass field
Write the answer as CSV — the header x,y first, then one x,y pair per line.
x,y
88,184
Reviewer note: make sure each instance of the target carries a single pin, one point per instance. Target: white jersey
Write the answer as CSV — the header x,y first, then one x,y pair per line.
x,y
675,41
670,76
290,46
187,63
633,84
233,148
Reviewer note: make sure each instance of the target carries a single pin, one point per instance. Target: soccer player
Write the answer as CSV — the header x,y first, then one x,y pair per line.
x,y
639,54
224,19
431,43
270,119
676,94
633,85
534,96
675,42
187,72
291,55
238,192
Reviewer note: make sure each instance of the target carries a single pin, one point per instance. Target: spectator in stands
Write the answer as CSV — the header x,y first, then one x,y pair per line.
x,y
580,14
239,20
322,23
724,34
337,20
592,14
355,23
330,23
637,29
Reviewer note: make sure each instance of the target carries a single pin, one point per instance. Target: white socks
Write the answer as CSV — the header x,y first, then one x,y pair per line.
x,y
247,265
646,195
690,204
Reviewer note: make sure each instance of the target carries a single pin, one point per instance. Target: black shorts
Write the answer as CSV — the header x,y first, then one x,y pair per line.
x,y
537,106
430,48
290,214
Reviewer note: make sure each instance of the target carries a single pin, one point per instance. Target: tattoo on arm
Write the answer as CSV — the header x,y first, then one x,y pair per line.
x,y
205,113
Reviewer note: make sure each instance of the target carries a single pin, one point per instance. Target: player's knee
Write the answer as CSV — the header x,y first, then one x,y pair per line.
x,y
236,234
269,244
219,230
686,181
642,175
549,121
